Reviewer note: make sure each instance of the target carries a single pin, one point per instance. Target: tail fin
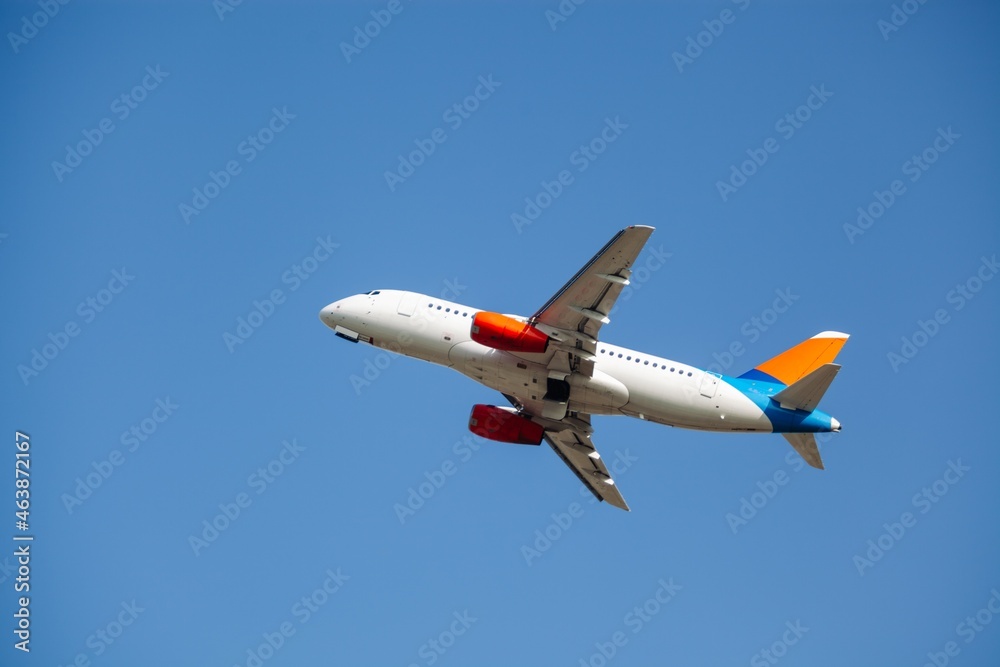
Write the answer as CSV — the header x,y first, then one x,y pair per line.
x,y
795,363
805,445
805,394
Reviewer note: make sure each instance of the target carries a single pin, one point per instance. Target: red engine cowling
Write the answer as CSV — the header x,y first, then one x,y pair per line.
x,y
505,333
493,423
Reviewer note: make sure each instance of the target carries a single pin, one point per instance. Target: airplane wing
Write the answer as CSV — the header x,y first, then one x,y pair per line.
x,y
575,314
577,450
575,447
573,317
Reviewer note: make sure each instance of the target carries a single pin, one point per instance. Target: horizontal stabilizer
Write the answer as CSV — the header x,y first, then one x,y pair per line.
x,y
805,445
806,393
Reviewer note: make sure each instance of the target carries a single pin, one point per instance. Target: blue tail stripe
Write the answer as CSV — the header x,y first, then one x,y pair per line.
x,y
754,374
782,420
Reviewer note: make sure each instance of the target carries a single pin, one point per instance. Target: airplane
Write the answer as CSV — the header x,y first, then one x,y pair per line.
x,y
556,373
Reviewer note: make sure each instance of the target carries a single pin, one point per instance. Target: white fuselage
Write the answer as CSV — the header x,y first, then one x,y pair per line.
x,y
624,381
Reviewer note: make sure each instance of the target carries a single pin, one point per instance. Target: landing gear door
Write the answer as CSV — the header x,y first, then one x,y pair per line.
x,y
710,384
407,304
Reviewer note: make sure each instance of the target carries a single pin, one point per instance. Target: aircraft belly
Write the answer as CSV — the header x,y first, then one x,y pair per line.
x,y
422,334
598,394
508,374
413,342
523,379
682,402
476,361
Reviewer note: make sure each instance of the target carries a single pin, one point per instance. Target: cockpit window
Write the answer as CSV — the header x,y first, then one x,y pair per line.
x,y
372,293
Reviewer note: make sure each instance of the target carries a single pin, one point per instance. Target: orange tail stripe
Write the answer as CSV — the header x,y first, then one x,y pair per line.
x,y
802,359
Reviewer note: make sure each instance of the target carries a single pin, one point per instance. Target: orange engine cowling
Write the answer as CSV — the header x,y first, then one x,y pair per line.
x,y
502,425
505,333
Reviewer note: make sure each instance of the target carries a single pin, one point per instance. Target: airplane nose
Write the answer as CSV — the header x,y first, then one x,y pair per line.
x,y
834,425
328,315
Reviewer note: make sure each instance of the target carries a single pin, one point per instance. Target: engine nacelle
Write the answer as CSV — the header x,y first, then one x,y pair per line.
x,y
505,333
504,425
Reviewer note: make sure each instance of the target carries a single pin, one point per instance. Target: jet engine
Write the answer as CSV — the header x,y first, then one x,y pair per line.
x,y
504,425
505,333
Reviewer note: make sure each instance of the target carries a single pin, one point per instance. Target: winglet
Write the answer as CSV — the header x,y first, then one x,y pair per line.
x,y
795,363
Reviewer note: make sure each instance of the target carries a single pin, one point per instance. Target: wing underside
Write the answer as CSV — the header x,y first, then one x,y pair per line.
x,y
575,314
577,451
570,440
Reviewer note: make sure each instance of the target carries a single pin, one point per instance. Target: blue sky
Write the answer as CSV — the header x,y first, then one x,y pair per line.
x,y
171,168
